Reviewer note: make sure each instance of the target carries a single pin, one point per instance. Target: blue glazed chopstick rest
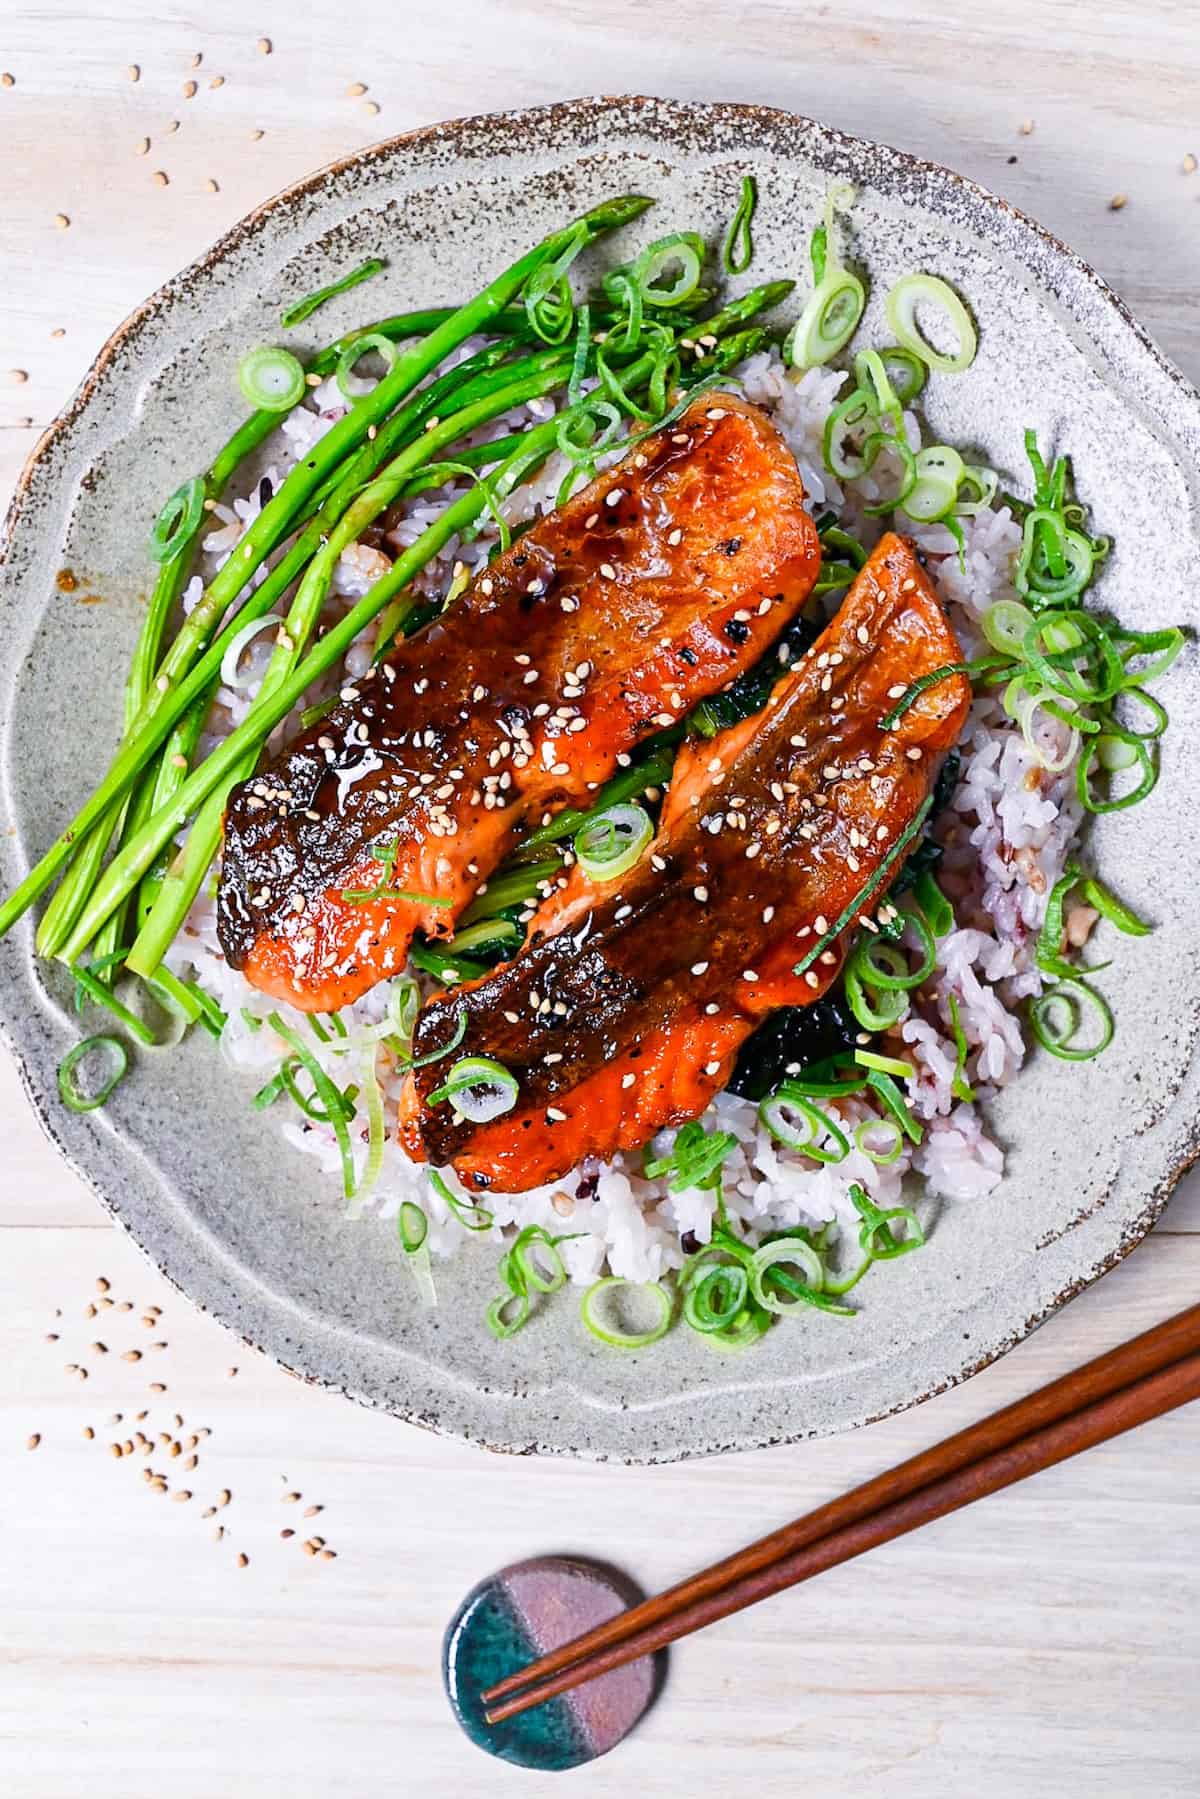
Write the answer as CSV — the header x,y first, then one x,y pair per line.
x,y
509,1620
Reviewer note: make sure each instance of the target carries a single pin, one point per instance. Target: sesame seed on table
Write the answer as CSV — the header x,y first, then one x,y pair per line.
x,y
1048,1642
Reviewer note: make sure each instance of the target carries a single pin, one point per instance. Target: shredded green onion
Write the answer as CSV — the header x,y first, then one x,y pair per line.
x,y
472,1217
304,309
1116,911
354,387
867,1058
337,1112
865,893
886,1089
959,1085
738,251
868,1128
1057,1019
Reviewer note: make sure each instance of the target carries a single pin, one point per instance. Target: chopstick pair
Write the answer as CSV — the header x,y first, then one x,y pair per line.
x,y
1142,1379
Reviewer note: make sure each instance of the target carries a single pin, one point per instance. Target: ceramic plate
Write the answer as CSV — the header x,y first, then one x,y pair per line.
x,y
243,1225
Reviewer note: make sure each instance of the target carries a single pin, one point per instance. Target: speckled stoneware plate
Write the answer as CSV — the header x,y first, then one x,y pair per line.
x,y
244,1226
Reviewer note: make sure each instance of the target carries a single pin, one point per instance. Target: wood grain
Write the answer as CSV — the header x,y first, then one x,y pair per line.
x,y
1045,1642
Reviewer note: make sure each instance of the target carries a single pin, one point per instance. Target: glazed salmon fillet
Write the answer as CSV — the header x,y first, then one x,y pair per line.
x,y
625,1009
606,622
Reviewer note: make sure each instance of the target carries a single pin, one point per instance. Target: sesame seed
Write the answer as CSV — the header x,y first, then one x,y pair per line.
x,y
614,497
61,221
33,1441
700,893
715,412
712,1068
133,72
608,571
356,90
748,974
812,979
1118,203
699,967
913,754
675,537
264,46
863,635
556,1117
591,520
768,914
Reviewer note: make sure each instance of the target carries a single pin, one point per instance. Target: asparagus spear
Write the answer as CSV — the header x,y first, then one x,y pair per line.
x,y
136,856
187,874
186,671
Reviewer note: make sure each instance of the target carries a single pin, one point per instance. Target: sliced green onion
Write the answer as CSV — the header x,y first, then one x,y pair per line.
x,y
1006,625
906,373
586,429
437,1055
591,1311
1114,753
1048,951
271,380
333,1102
933,678
176,524
713,1300
684,248
883,965
985,482
472,1217
354,387
1163,646
959,1085
1116,911
543,1277
694,1160
884,1157
782,1251
304,309
901,309
738,250
1057,1018
875,1011
101,995
875,1233
937,909
934,492
1159,717
828,321
608,846
413,1229
809,1136
885,1087
266,1096
867,1058
69,1090
871,375
480,1089
376,1127
1147,781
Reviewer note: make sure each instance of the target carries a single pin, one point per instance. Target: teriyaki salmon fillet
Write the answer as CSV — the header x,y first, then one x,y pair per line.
x,y
625,1009
604,624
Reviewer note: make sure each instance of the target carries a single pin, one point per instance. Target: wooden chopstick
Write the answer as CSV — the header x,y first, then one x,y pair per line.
x,y
1141,1379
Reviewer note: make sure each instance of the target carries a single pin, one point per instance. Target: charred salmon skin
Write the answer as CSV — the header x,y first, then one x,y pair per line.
x,y
625,1009
650,590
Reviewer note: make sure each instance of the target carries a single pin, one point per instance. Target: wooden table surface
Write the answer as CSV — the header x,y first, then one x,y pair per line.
x,y
1045,1643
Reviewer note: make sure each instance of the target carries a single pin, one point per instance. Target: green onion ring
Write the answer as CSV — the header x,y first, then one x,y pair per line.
x,y
353,387
68,1087
828,321
772,1113
480,1088
874,1011
883,1158
784,1250
618,1339
472,1217
271,380
1146,784
178,521
705,1313
901,309
609,846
